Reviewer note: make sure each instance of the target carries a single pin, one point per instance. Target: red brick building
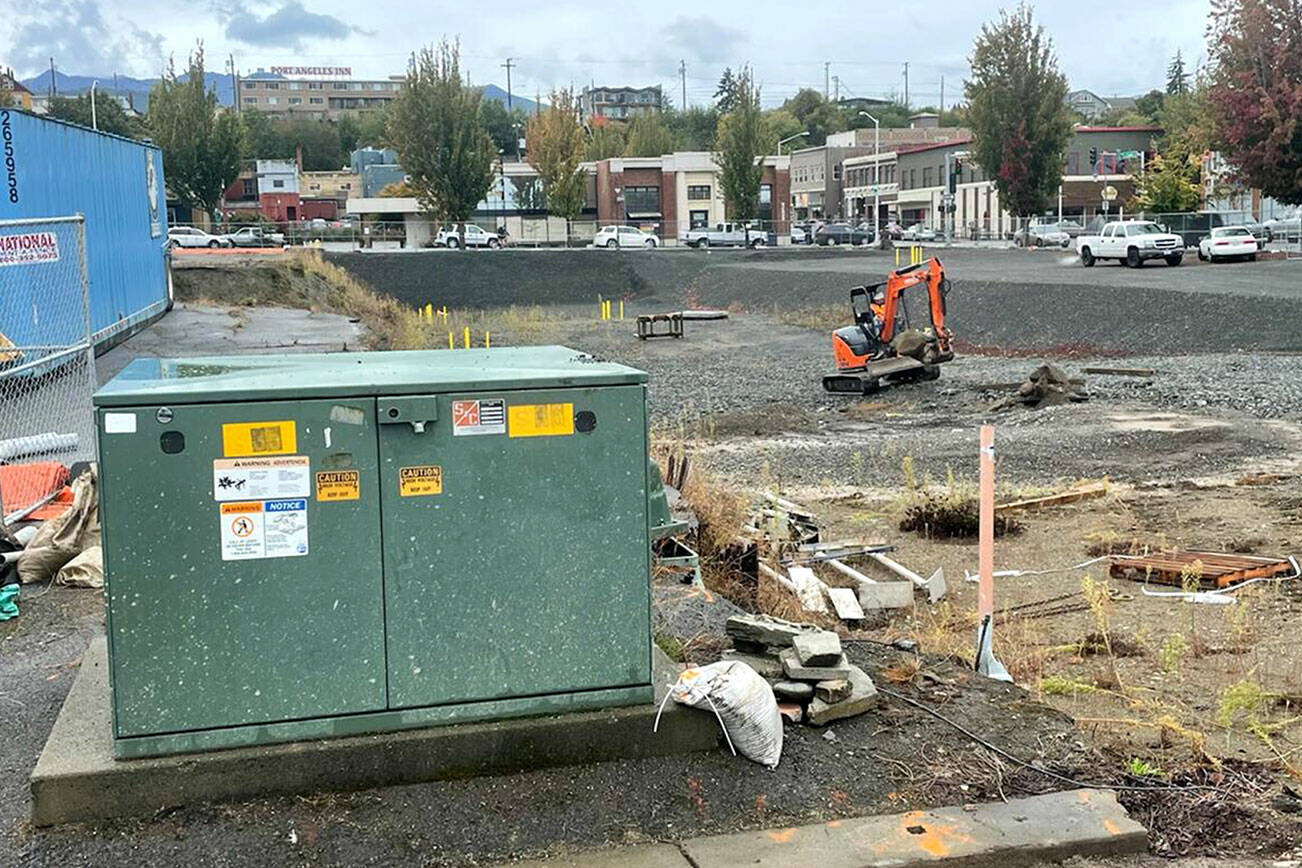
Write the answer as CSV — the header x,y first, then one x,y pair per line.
x,y
675,192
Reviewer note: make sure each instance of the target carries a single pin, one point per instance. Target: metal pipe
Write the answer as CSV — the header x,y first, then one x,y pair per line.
x,y
850,571
899,569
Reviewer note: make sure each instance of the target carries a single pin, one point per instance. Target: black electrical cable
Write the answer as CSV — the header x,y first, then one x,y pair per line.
x,y
1021,762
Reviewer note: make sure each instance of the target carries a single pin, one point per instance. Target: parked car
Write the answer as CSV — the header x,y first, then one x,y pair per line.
x,y
727,235
1072,228
191,236
918,232
1131,242
476,236
1285,228
1041,235
254,236
1227,242
800,234
834,234
623,236
894,231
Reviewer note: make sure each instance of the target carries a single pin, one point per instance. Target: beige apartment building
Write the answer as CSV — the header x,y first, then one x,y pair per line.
x,y
314,94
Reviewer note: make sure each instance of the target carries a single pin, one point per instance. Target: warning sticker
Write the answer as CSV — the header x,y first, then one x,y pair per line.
x,y
259,438
541,420
260,478
482,416
420,481
338,485
263,529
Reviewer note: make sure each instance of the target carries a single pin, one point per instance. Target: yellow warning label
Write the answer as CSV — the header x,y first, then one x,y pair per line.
x,y
259,438
338,485
540,420
420,481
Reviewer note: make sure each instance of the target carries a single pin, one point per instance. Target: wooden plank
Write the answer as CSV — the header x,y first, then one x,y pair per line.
x,y
846,604
1096,489
1121,372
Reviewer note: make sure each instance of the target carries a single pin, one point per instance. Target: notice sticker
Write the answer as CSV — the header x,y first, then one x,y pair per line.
x,y
334,485
29,248
420,481
259,438
261,478
541,420
119,423
482,416
263,529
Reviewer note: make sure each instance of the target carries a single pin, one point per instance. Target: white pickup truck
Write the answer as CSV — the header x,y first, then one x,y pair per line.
x,y
1130,242
725,235
254,236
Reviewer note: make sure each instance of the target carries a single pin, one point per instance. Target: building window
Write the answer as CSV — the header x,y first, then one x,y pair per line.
x,y
913,178
272,85
315,100
836,172
295,100
278,184
1073,163
314,85
250,85
698,191
250,99
926,177
272,100
641,200
765,213
296,85
699,219
379,85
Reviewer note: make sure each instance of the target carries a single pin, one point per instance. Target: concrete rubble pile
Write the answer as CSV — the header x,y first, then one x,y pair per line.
x,y
806,667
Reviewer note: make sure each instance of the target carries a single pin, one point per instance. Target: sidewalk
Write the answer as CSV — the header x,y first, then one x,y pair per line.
x,y
1019,832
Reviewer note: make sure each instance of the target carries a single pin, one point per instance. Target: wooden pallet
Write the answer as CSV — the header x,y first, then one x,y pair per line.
x,y
1216,569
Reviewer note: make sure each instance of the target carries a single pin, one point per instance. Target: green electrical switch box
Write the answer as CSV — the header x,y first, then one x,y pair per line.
x,y
303,546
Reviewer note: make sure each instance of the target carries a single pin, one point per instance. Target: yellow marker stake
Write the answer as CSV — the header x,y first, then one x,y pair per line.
x,y
445,314
897,257
621,309
451,345
466,337
487,342
429,312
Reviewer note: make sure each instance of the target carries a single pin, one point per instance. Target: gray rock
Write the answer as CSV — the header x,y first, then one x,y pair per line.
x,y
833,691
764,630
767,667
863,696
817,649
799,672
795,691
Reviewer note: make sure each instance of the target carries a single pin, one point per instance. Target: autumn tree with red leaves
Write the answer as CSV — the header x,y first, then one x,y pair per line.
x,y
1255,92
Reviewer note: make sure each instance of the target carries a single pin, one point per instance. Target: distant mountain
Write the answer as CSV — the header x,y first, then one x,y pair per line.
x,y
138,88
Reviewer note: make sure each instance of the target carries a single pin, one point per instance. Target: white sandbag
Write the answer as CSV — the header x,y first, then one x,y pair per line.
x,y
742,701
86,570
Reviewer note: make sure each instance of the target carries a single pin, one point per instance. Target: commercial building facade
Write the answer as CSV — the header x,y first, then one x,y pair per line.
x,y
675,192
317,96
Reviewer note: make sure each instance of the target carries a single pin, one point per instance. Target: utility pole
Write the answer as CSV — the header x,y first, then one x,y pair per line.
x,y
507,66
827,69
906,84
682,77
235,83
54,89
941,122
836,82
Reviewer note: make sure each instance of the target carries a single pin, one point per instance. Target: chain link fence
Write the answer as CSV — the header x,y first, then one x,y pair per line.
x,y
47,362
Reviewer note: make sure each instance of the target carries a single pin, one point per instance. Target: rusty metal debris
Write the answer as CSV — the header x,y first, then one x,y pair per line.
x,y
1208,569
647,325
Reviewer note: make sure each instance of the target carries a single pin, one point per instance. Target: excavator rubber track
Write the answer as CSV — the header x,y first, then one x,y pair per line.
x,y
901,369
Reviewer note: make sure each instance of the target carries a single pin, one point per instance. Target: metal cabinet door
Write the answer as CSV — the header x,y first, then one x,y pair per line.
x,y
201,640
519,567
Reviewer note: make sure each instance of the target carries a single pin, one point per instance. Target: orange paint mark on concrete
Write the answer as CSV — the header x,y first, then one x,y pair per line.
x,y
782,836
935,840
1083,796
1113,828
833,824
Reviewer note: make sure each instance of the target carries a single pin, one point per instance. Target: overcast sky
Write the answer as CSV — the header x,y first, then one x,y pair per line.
x,y
1113,49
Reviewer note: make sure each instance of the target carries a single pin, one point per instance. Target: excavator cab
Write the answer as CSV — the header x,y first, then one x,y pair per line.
x,y
881,346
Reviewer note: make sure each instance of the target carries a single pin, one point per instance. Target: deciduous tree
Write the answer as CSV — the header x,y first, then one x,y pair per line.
x,y
108,116
200,141
556,150
738,149
1165,186
606,139
648,136
1017,108
1255,92
437,128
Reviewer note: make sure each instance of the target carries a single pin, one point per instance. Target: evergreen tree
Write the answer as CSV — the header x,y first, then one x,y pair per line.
x,y
1177,80
739,148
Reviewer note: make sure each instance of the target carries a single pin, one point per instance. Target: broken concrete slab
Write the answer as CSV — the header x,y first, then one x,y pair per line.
x,y
793,691
845,604
764,630
1047,828
833,691
791,711
767,666
821,648
796,670
809,588
863,696
886,595
77,779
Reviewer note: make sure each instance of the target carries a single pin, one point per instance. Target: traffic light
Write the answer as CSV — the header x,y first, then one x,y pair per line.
x,y
1094,158
955,172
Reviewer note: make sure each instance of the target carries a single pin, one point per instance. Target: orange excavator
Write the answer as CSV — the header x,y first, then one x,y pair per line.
x,y
883,346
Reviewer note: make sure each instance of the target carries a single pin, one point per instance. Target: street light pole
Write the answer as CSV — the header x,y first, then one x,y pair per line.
x,y
877,177
790,139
